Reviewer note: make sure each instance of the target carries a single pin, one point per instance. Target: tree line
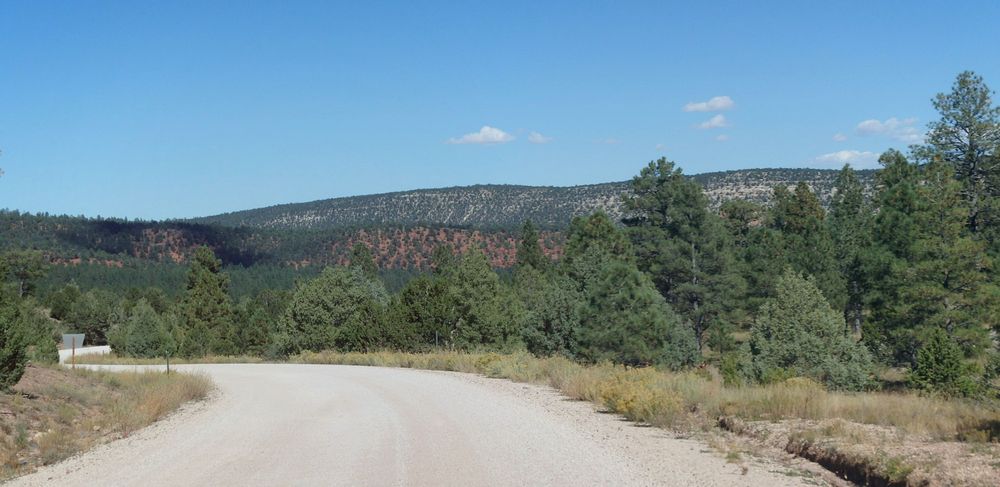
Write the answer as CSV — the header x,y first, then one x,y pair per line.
x,y
900,277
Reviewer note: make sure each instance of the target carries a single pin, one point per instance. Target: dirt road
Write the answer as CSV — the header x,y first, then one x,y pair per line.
x,y
336,425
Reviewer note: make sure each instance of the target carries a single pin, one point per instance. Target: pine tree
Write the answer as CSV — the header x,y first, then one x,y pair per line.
x,y
25,267
426,308
597,232
967,136
626,320
741,217
253,328
362,258
622,316
38,332
443,260
207,308
764,259
894,233
61,301
945,285
850,228
683,246
529,250
807,245
939,367
928,271
484,308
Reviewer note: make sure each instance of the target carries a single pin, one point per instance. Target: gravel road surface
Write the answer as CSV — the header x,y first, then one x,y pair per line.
x,y
285,424
66,355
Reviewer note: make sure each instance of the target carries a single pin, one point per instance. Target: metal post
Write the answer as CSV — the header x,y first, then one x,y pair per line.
x,y
73,360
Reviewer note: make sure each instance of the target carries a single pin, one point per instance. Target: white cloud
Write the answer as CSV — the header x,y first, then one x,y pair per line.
x,y
716,104
486,135
660,147
537,138
839,137
857,159
901,130
722,137
715,122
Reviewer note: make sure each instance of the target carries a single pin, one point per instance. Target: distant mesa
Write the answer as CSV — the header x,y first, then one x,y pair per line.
x,y
507,206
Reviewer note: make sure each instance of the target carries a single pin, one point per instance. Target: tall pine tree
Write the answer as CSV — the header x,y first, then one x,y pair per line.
x,y
807,245
207,310
529,250
967,136
622,315
928,271
850,228
682,245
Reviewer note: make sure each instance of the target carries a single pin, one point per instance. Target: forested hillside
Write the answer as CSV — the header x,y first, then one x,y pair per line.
x,y
505,206
75,241
274,246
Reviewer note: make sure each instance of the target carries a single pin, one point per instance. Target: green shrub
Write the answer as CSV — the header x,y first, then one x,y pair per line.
x,y
13,342
13,353
940,367
798,334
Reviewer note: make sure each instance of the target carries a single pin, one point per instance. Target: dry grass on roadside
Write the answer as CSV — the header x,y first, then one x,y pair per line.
x,y
149,396
911,427
696,398
54,413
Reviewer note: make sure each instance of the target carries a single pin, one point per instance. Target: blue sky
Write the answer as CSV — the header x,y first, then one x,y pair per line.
x,y
178,109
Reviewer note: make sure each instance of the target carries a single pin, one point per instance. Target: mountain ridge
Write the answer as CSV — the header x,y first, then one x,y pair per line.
x,y
508,205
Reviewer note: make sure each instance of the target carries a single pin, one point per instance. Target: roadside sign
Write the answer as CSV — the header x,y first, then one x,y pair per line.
x,y
72,340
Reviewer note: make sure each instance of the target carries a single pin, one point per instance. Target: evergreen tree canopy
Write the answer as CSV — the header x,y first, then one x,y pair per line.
x,y
340,309
484,308
967,136
797,333
143,334
61,301
929,271
939,367
443,259
38,332
850,225
625,320
253,325
92,314
529,250
362,258
426,307
741,217
590,242
552,304
13,342
207,308
24,267
807,245
682,245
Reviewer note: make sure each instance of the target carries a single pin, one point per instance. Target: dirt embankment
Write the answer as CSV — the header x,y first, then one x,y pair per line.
x,y
54,413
